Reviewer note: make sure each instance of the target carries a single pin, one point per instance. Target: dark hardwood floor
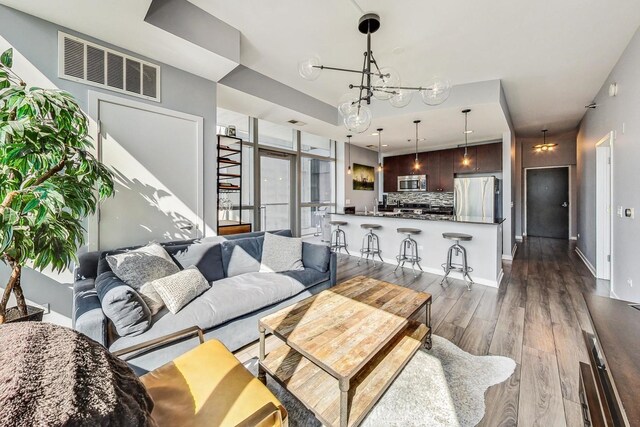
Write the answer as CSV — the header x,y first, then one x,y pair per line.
x,y
535,317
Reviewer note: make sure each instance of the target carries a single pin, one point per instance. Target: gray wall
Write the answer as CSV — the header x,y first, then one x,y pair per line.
x,y
612,114
562,155
37,41
359,198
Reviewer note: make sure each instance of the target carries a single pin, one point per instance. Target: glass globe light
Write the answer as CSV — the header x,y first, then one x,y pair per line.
x,y
437,91
307,68
358,120
402,98
347,102
384,82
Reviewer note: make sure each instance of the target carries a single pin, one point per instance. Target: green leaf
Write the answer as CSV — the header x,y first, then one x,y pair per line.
x,y
7,58
31,205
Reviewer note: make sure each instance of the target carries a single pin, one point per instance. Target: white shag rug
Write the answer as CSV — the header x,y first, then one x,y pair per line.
x,y
443,386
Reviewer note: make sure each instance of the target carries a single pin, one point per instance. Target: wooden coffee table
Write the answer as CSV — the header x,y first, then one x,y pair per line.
x,y
345,346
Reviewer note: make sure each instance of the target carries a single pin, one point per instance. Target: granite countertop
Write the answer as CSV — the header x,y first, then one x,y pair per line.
x,y
431,217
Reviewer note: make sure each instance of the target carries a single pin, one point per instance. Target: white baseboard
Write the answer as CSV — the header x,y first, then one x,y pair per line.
x,y
519,238
573,238
507,257
514,250
586,261
613,294
500,277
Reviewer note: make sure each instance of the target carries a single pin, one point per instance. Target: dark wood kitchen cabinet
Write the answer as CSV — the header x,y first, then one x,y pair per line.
x,y
440,170
390,174
489,157
482,159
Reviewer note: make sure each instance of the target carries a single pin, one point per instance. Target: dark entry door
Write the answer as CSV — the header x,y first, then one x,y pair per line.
x,y
548,202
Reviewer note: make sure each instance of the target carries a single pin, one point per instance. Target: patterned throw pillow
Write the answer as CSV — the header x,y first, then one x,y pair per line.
x,y
142,265
281,253
179,289
151,298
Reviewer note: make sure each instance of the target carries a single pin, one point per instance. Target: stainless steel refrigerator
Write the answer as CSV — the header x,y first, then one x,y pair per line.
x,y
477,197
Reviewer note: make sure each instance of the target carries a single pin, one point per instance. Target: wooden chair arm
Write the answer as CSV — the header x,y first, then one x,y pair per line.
x,y
159,342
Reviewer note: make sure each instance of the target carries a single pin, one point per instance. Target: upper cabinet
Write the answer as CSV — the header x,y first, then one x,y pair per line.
x,y
441,166
480,159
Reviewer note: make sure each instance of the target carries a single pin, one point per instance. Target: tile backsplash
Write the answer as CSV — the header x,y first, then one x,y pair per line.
x,y
431,198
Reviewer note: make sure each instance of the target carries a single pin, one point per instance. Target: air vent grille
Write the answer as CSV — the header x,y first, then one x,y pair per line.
x,y
89,63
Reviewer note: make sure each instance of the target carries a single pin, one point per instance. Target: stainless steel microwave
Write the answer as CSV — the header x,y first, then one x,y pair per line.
x,y
412,183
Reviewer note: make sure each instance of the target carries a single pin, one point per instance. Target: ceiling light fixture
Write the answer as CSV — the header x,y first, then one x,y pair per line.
x,y
349,154
382,83
544,146
380,150
416,164
465,159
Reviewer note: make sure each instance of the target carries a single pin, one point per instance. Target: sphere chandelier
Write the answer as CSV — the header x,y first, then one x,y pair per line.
x,y
382,83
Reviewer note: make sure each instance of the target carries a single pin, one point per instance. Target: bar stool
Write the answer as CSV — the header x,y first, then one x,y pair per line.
x,y
409,249
450,266
338,238
370,243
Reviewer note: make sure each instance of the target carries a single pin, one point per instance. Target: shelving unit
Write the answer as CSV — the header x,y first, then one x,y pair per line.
x,y
229,172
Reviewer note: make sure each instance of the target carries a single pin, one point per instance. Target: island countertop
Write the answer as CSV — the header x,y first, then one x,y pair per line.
x,y
429,217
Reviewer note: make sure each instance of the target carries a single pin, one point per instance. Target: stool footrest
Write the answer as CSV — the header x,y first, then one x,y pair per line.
x,y
456,267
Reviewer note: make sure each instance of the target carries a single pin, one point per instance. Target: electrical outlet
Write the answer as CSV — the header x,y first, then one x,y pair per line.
x,y
630,282
619,211
348,201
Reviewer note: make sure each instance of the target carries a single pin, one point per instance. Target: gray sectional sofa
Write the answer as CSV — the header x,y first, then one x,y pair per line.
x,y
228,311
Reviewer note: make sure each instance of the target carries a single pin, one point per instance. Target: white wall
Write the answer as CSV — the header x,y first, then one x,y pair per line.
x,y
357,198
622,115
35,44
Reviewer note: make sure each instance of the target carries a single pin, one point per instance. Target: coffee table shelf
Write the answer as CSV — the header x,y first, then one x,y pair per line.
x,y
320,392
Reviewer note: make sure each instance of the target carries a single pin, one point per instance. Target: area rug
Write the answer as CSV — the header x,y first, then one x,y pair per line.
x,y
443,386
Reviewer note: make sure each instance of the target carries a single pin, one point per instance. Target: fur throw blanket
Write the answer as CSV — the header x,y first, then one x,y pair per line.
x,y
54,376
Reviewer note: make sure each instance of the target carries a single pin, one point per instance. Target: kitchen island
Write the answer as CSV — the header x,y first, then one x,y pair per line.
x,y
484,252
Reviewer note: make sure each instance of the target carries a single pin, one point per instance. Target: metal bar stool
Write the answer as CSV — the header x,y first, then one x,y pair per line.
x,y
409,250
338,238
370,243
450,266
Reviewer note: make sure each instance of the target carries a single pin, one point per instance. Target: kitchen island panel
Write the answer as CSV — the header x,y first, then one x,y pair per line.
x,y
484,252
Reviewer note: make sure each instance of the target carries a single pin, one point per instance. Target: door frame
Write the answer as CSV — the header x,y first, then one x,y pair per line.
x,y
293,184
93,226
570,196
604,207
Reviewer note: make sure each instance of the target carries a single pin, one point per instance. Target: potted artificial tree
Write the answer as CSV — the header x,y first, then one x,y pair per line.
x,y
49,182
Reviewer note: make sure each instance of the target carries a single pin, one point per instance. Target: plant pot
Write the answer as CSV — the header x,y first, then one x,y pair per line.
x,y
34,314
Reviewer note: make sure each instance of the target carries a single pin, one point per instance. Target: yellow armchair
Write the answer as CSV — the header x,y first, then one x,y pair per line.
x,y
207,386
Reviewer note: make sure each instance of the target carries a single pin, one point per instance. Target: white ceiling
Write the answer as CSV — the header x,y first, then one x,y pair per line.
x,y
551,56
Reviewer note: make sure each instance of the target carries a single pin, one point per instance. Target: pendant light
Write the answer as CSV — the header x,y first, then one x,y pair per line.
x,y
416,164
465,159
349,154
544,146
379,149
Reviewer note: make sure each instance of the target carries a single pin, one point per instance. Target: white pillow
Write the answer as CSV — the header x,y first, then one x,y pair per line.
x,y
281,253
152,298
179,289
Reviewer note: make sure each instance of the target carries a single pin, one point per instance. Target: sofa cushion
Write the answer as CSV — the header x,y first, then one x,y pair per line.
x,y
206,255
226,300
280,253
139,266
127,311
241,256
179,289
308,276
316,256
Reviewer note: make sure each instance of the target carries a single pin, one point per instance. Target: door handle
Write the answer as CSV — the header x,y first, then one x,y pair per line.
x,y
187,227
565,205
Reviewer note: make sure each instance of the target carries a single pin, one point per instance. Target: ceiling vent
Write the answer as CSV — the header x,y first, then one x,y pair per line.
x,y
296,122
95,65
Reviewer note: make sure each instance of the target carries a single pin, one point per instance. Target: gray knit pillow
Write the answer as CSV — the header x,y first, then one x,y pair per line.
x,y
142,265
280,253
179,289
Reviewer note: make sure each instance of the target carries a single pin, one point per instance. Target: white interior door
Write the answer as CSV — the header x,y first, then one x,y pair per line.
x,y
156,156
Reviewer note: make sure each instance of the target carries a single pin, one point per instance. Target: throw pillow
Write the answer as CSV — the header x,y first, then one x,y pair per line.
x,y
142,265
281,253
122,305
179,289
241,256
151,298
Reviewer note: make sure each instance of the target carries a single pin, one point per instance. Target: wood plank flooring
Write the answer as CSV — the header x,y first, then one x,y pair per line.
x,y
535,317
